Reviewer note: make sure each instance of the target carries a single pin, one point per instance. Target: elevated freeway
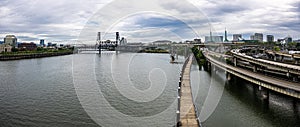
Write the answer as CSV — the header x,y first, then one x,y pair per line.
x,y
263,81
289,70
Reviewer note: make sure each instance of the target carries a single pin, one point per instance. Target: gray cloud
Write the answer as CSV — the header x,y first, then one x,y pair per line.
x,y
64,19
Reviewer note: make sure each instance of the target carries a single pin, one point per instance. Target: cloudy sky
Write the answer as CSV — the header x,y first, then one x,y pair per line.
x,y
150,20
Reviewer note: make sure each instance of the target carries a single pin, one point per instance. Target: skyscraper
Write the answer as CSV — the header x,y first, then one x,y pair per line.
x,y
259,37
270,38
252,37
237,37
226,40
42,42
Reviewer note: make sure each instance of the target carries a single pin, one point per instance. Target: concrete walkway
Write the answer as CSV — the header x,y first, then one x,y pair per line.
x,y
187,111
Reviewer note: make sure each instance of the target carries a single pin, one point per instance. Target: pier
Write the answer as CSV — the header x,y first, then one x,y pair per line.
x,y
187,111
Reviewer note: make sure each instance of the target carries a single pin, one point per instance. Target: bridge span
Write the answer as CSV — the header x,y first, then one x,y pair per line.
x,y
270,64
264,82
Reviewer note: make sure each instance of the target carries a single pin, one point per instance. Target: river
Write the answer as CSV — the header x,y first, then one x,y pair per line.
x,y
236,103
124,89
48,92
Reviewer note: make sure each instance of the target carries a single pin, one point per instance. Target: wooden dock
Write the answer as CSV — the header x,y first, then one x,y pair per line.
x,y
188,116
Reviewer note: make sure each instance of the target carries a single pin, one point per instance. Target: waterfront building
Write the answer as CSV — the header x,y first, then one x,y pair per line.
x,y
5,48
213,39
270,38
27,46
162,42
195,41
257,36
237,37
49,44
11,40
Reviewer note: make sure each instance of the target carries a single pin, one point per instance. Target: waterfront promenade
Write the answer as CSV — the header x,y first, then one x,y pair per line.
x,y
188,117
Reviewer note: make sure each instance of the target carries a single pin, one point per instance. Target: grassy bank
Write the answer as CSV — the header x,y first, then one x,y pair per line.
x,y
35,54
154,51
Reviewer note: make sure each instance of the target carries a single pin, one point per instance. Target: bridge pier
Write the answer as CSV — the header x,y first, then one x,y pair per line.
x,y
275,58
99,48
295,78
281,58
296,61
214,69
263,92
228,76
235,61
208,66
254,68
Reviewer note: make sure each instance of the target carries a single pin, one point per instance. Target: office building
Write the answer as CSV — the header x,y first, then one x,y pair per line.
x,y
42,42
213,39
237,37
259,37
270,38
226,40
27,46
288,39
11,40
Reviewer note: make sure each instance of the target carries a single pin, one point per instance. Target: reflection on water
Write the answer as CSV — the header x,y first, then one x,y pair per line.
x,y
40,92
241,105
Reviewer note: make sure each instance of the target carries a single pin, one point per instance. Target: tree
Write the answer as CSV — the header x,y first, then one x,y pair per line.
x,y
40,49
14,49
276,48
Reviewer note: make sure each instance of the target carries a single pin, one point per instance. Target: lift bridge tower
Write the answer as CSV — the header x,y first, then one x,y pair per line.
x,y
108,45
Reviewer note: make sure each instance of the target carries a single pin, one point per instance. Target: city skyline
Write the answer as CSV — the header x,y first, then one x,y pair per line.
x,y
64,20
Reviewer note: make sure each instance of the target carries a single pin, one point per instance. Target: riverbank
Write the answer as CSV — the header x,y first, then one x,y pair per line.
x,y
154,51
199,56
18,56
